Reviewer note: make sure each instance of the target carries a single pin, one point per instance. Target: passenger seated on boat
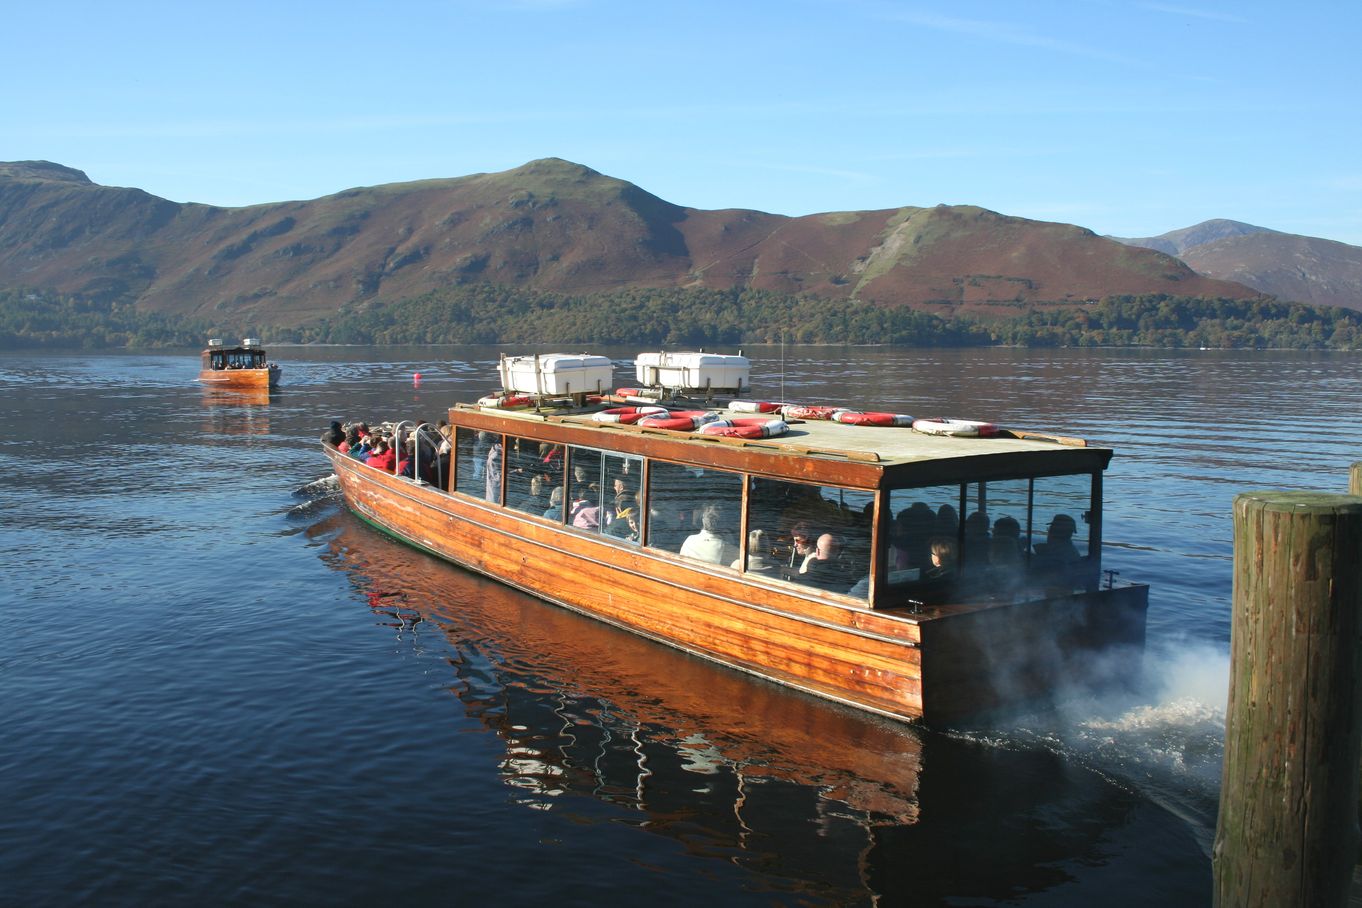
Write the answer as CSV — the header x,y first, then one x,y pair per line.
x,y
947,522
1058,550
351,440
759,557
534,501
554,511
334,434
912,532
585,512
709,544
622,500
976,539
945,558
803,546
382,456
624,525
1006,527
826,569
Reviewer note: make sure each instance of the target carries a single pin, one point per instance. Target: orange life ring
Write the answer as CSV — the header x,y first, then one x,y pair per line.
x,y
626,415
959,428
753,406
857,418
746,427
679,420
810,412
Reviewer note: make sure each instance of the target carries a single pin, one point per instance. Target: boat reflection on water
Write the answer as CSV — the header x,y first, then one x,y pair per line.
x,y
237,411
829,802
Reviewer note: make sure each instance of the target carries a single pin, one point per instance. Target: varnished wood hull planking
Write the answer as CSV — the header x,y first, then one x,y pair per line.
x,y
843,653
243,379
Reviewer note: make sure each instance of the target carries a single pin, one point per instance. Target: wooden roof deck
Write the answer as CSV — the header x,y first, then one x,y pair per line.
x,y
872,452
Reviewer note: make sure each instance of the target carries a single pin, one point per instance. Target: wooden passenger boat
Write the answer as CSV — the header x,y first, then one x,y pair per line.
x,y
706,542
245,368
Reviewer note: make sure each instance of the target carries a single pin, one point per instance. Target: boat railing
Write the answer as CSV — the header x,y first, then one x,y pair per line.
x,y
420,431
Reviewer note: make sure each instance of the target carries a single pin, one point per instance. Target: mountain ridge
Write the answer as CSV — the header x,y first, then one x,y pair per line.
x,y
550,225
1289,266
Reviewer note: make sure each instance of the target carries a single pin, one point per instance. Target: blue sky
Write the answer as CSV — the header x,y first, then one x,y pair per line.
x,y
1130,118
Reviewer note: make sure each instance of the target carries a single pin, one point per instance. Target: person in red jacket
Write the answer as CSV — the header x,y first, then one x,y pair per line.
x,y
383,456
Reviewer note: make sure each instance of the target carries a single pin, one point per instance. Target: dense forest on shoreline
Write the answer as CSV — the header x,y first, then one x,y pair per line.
x,y
488,314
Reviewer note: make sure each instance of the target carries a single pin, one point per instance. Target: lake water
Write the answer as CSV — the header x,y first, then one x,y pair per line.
x,y
218,687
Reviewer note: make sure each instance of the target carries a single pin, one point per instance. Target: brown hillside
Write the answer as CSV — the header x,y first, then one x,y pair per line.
x,y
549,225
1301,269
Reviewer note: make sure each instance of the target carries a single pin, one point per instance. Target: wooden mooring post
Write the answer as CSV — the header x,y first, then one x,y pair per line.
x,y
1288,832
1355,479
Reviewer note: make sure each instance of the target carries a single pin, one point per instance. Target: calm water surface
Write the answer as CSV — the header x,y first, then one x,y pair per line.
x,y
217,687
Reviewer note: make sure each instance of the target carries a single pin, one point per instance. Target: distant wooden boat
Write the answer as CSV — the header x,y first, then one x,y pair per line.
x,y
245,367
825,553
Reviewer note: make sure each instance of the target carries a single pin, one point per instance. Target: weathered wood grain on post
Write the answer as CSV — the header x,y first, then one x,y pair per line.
x,y
1288,835
1355,479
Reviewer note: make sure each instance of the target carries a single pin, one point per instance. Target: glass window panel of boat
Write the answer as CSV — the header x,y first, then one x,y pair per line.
x,y
1062,511
787,519
694,512
994,532
529,480
621,517
923,520
584,497
472,449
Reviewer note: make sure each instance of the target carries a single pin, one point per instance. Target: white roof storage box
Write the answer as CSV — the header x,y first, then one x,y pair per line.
x,y
693,371
556,373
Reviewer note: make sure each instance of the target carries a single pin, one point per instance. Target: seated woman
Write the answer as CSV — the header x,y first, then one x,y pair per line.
x,y
945,557
759,560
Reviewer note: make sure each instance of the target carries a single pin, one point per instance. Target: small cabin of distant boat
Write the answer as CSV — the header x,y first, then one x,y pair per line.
x,y
246,365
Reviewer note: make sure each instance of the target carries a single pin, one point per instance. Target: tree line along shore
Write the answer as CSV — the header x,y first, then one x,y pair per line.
x,y
489,314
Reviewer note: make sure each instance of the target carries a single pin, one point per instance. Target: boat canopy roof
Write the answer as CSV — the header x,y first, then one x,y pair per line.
x,y
868,456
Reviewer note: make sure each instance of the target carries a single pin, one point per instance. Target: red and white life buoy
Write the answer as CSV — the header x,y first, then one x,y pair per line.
x,y
746,427
959,428
753,406
627,415
679,420
810,412
857,418
506,401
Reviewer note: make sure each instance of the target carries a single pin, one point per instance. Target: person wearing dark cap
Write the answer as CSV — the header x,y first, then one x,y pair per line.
x,y
334,434
1058,550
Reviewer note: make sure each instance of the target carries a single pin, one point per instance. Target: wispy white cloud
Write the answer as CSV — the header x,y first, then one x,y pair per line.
x,y
1211,14
1000,32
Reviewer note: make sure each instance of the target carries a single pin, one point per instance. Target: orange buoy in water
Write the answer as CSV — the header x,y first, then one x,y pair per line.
x,y
416,379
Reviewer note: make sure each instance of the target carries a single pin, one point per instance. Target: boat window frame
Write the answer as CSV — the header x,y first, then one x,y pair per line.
x,y
881,589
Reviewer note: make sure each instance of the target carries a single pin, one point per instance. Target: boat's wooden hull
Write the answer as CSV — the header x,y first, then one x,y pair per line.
x,y
869,659
240,379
